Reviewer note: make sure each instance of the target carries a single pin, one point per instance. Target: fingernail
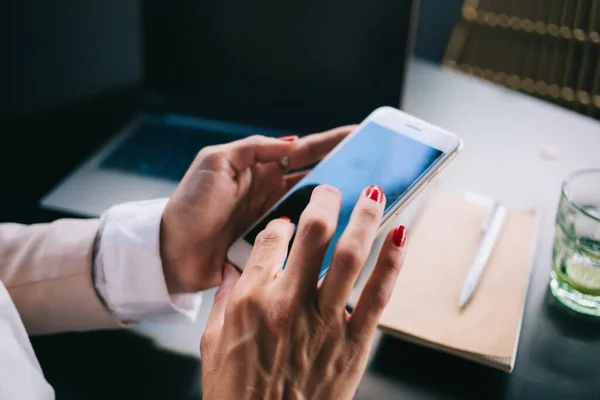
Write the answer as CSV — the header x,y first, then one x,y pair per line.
x,y
374,192
291,138
285,219
399,237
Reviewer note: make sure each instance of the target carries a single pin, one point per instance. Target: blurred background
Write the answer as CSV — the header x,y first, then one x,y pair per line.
x,y
58,53
549,49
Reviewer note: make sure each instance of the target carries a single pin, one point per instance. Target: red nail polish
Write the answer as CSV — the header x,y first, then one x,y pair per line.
x,y
285,219
399,236
374,192
291,138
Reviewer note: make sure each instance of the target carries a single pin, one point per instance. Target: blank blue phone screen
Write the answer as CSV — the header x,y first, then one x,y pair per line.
x,y
375,155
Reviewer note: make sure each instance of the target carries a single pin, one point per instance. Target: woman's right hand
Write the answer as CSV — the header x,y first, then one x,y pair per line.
x,y
275,334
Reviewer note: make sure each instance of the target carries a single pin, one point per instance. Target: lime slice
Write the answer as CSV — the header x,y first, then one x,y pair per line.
x,y
585,276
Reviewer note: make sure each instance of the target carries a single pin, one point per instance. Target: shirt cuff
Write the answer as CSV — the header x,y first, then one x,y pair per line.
x,y
128,272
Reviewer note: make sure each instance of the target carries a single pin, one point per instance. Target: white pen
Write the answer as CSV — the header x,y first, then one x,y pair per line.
x,y
492,226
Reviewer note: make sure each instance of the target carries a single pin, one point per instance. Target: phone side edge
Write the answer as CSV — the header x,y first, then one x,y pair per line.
x,y
425,181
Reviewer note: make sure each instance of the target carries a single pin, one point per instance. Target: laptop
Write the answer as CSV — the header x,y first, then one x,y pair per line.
x,y
215,71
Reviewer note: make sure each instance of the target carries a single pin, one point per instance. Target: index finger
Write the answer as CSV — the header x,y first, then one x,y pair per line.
x,y
247,152
316,228
313,148
268,253
216,316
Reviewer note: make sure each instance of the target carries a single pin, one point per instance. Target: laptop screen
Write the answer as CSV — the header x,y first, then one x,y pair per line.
x,y
296,65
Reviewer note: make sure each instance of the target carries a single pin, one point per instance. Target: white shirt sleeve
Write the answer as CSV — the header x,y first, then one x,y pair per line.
x,y
20,374
128,272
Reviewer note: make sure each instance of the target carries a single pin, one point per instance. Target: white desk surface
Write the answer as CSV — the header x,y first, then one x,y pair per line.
x,y
504,133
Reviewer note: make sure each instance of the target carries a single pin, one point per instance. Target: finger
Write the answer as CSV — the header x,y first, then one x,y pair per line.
x,y
379,287
268,253
230,278
352,250
316,228
292,179
313,148
249,151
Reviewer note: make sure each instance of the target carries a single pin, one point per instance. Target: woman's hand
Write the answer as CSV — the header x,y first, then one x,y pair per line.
x,y
225,190
274,334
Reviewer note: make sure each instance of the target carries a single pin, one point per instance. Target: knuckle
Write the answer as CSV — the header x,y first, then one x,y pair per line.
x,y
269,238
282,310
392,265
246,304
211,157
208,151
349,257
255,140
258,267
368,214
317,227
330,320
234,304
380,297
281,316
353,359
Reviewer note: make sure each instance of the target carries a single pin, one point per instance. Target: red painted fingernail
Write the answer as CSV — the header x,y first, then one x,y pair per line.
x,y
399,237
285,219
374,192
291,138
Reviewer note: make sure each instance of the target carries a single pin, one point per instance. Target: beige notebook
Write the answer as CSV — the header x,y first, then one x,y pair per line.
x,y
424,305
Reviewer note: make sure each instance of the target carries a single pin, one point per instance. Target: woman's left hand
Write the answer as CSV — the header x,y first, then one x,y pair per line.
x,y
226,189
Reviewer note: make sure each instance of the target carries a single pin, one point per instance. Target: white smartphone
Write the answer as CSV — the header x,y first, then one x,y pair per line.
x,y
390,148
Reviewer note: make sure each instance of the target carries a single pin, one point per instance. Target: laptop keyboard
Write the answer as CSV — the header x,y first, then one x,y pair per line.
x,y
161,150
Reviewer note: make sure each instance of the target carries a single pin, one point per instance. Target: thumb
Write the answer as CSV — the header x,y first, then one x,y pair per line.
x,y
217,315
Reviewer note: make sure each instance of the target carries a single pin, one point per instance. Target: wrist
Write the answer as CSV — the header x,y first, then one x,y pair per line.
x,y
190,264
170,261
183,268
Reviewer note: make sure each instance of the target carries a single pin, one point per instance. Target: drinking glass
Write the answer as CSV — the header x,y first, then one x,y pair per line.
x,y
575,276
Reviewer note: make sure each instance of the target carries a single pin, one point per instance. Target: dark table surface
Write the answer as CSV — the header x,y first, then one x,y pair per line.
x,y
559,351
